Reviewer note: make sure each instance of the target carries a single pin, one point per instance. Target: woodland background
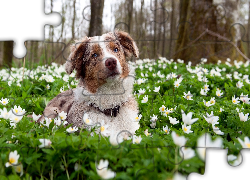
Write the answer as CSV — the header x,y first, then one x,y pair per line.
x,y
168,28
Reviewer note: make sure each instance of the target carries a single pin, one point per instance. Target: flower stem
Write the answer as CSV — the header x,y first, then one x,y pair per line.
x,y
66,167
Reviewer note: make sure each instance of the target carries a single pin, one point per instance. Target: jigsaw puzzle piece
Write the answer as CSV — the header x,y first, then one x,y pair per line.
x,y
25,19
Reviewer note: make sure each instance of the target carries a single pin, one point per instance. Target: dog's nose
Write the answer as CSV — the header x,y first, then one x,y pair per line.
x,y
110,63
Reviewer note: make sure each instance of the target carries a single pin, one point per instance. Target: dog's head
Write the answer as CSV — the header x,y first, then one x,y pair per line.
x,y
100,59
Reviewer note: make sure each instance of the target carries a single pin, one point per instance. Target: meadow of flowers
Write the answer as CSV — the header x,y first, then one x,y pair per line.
x,y
184,109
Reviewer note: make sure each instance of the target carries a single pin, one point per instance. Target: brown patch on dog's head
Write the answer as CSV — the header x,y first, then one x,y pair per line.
x,y
88,58
77,57
128,44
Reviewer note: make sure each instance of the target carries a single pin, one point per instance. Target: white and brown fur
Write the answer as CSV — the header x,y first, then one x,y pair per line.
x,y
98,92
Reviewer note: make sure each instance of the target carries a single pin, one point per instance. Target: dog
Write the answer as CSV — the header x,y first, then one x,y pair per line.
x,y
104,93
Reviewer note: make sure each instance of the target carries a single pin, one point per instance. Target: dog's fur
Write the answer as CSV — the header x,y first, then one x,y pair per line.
x,y
100,91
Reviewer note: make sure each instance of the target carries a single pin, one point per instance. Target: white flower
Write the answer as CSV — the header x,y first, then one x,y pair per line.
x,y
15,118
5,114
205,141
217,130
203,92
162,109
103,171
147,133
4,101
18,110
77,167
187,153
145,99
86,119
19,169
176,84
206,87
138,118
178,140
136,139
153,118
45,143
239,84
61,89
166,129
207,103
211,118
187,119
219,93
212,100
103,128
47,86
114,140
188,96
9,83
156,89
13,159
186,129
72,130
141,91
221,110
167,112
62,115
235,100
173,120
243,117
245,143
35,117
244,98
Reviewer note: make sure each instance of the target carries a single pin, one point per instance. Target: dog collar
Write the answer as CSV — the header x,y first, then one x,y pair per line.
x,y
112,112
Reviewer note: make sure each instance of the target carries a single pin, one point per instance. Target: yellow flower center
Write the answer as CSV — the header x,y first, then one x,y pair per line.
x,y
16,119
137,118
18,169
248,145
234,101
185,129
61,117
205,87
177,84
72,129
87,120
212,101
137,141
163,109
167,112
220,111
166,131
218,94
12,160
4,102
16,110
187,97
102,128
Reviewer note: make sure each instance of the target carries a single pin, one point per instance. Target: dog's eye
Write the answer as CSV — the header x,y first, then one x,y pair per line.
x,y
94,55
116,49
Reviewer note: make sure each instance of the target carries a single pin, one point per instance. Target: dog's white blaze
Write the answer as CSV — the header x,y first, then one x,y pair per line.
x,y
109,55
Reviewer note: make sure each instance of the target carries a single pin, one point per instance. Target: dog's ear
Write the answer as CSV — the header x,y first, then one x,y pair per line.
x,y
128,44
76,57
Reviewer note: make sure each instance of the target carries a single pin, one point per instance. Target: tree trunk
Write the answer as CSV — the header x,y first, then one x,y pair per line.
x,y
7,53
248,49
95,26
155,26
130,15
172,28
73,20
164,29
